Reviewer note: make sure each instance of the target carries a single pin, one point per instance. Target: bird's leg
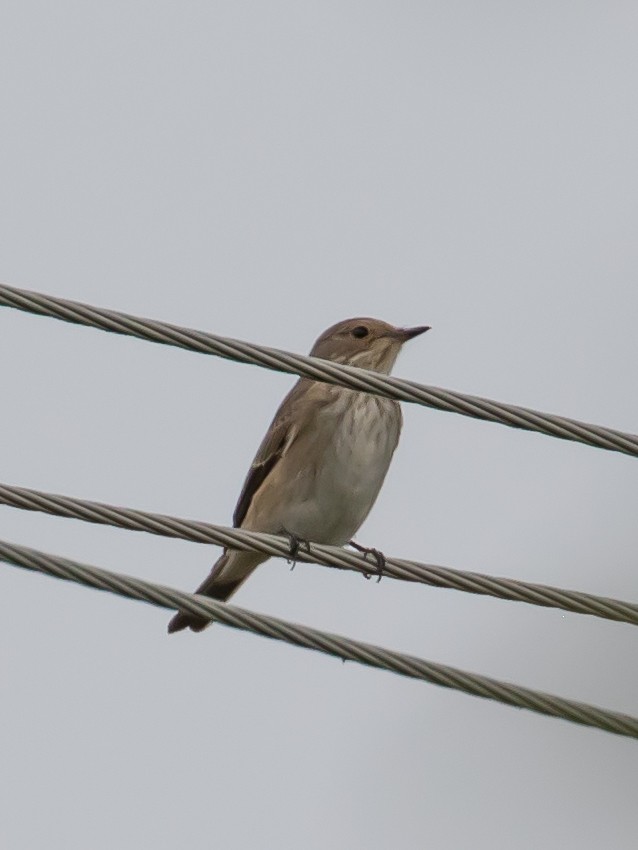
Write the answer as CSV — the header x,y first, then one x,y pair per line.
x,y
379,557
295,543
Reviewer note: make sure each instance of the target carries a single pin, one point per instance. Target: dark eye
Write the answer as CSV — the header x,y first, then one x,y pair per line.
x,y
360,331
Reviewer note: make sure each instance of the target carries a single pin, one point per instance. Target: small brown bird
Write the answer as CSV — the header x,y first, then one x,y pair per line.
x,y
323,460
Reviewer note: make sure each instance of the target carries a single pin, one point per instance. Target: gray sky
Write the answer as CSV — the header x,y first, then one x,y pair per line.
x,y
262,171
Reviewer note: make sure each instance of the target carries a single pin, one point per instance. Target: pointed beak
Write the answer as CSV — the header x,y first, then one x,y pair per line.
x,y
405,334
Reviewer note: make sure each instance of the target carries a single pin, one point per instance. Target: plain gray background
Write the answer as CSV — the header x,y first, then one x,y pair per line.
x,y
262,171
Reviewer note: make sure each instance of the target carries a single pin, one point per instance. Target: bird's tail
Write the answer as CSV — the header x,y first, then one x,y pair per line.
x,y
228,573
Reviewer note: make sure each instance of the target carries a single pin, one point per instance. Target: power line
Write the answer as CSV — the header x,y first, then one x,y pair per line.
x,y
332,556
320,370
356,379
336,645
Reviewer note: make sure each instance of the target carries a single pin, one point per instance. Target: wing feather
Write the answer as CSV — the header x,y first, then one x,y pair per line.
x,y
282,432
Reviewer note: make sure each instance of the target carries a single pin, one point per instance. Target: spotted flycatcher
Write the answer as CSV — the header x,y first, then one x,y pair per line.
x,y
322,462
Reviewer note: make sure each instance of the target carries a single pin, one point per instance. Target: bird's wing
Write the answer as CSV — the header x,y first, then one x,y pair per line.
x,y
290,420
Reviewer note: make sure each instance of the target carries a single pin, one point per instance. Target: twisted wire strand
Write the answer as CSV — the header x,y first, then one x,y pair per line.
x,y
332,556
320,370
336,645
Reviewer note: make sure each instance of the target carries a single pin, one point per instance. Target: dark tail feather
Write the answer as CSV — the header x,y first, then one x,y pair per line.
x,y
184,620
218,586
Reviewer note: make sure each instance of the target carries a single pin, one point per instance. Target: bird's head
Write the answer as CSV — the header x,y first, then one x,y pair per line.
x,y
367,343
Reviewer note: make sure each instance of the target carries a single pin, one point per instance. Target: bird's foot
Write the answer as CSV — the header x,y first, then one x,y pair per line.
x,y
378,556
296,543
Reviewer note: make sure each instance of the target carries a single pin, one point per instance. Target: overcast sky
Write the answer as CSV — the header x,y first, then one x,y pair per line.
x,y
262,171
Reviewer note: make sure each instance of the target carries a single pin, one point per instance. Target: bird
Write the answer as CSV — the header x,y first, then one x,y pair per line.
x,y
322,462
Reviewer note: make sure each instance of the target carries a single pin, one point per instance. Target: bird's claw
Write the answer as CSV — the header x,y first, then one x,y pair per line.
x,y
296,543
379,557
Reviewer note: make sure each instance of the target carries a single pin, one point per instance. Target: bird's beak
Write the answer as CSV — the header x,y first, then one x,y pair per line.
x,y
405,334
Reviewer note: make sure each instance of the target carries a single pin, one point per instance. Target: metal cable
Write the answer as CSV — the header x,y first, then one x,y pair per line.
x,y
332,556
341,647
320,370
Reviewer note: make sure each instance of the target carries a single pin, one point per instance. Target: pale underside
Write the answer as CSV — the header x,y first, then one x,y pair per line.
x,y
330,464
316,476
318,472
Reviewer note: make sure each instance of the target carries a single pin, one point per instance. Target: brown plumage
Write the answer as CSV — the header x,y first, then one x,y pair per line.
x,y
322,462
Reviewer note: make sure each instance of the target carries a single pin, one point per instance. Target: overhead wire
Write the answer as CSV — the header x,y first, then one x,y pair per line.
x,y
332,644
320,370
358,380
331,556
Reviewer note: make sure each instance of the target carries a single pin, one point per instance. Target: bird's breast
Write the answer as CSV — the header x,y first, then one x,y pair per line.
x,y
365,440
357,453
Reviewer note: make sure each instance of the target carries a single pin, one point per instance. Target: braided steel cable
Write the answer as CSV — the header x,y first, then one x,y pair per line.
x,y
336,645
332,556
320,370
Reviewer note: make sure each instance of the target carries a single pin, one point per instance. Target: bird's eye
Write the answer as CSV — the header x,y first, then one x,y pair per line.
x,y
360,331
